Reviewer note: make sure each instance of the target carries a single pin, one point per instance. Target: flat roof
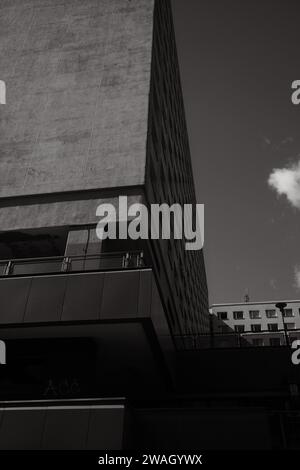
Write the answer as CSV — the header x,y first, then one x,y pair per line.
x,y
254,303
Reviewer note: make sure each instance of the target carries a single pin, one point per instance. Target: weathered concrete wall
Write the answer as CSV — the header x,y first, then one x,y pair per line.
x,y
78,77
62,212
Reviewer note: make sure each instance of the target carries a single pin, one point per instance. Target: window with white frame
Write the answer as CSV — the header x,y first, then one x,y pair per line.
x,y
257,342
239,328
222,316
275,342
239,315
254,314
271,313
273,326
255,328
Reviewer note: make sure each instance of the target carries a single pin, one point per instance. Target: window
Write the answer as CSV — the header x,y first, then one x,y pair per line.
x,y
271,313
290,326
288,312
275,342
238,315
273,326
254,314
39,243
222,316
258,342
255,328
239,328
48,243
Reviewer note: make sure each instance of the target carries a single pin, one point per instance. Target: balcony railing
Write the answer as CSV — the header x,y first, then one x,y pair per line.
x,y
65,264
264,338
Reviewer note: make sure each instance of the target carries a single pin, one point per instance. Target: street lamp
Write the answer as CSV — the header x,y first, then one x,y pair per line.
x,y
281,306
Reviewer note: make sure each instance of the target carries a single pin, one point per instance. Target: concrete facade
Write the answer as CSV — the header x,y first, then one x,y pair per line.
x,y
56,211
78,78
95,111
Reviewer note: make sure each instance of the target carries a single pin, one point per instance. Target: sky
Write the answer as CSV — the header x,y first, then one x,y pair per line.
x,y
238,60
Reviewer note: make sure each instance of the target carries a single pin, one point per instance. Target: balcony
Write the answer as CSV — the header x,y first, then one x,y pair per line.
x,y
67,264
112,300
78,288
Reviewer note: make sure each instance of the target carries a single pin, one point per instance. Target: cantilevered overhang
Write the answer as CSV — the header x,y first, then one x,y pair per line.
x,y
119,313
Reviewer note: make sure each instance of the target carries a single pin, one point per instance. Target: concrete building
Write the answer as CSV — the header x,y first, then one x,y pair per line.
x,y
94,111
260,323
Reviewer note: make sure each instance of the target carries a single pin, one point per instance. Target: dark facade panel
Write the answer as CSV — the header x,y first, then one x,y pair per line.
x,y
145,300
120,295
106,429
79,297
13,298
45,301
66,429
57,428
205,429
21,429
161,326
83,297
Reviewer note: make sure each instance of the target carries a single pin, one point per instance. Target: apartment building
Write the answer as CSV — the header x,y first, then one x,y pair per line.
x,y
261,323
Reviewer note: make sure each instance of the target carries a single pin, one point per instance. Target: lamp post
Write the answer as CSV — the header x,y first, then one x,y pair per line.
x,y
281,306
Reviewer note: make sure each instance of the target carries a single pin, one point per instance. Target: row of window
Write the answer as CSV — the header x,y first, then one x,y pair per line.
x,y
257,328
170,169
263,342
256,314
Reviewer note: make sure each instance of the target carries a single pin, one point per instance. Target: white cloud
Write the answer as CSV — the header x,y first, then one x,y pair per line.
x,y
287,140
286,181
267,141
297,277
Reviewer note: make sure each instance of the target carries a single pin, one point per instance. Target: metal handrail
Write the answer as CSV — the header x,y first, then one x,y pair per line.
x,y
235,333
66,261
58,258
212,341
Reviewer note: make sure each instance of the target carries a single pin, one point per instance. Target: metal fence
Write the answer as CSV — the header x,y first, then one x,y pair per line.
x,y
238,340
65,264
